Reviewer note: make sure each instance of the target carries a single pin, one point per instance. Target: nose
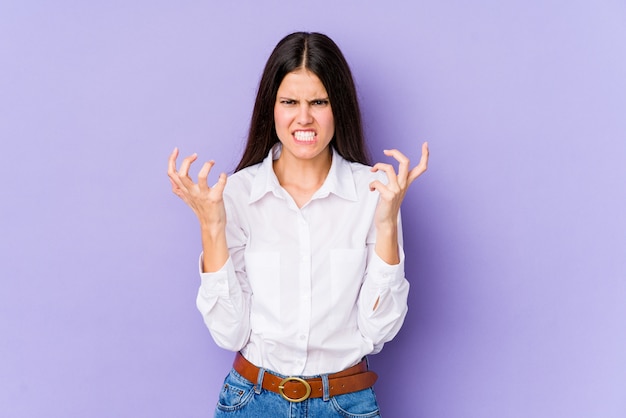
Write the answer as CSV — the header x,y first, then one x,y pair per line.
x,y
304,114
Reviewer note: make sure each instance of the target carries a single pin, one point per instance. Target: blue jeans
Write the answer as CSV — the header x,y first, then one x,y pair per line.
x,y
243,399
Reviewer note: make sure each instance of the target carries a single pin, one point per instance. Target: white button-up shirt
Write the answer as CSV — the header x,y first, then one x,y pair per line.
x,y
299,293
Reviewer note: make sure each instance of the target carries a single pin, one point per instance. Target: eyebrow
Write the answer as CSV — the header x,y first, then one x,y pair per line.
x,y
310,100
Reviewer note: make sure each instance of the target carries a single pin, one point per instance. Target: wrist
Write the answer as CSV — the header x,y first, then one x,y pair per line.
x,y
387,228
212,230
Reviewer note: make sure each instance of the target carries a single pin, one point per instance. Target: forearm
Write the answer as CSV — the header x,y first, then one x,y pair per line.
x,y
387,243
214,246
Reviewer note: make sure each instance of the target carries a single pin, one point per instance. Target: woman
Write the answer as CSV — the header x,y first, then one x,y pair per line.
x,y
302,271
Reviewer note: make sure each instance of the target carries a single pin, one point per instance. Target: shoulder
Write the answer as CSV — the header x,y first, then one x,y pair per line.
x,y
245,174
363,173
239,184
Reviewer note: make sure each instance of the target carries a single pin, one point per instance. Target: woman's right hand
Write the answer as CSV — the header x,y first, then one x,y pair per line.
x,y
206,202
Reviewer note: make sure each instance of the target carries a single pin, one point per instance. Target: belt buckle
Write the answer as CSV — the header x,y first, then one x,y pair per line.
x,y
281,389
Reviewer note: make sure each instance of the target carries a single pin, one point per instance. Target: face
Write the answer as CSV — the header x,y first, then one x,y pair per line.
x,y
303,117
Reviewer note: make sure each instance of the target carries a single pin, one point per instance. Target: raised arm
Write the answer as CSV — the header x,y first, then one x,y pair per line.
x,y
208,205
391,197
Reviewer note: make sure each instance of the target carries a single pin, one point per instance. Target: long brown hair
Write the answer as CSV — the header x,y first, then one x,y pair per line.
x,y
317,53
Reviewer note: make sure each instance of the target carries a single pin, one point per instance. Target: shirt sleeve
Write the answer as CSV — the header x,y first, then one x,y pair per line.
x,y
224,296
383,298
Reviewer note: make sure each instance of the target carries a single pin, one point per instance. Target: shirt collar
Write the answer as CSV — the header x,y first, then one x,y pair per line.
x,y
339,181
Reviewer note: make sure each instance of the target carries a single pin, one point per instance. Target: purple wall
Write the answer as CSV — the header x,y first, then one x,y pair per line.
x,y
516,237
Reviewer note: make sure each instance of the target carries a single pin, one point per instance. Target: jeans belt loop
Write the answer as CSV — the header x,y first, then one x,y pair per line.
x,y
325,388
259,382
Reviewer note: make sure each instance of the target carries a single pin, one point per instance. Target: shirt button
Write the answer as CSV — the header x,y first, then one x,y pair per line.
x,y
302,337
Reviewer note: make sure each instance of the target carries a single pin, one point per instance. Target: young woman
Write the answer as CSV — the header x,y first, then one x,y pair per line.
x,y
302,270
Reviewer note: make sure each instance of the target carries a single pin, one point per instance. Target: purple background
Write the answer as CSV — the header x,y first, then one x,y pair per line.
x,y
515,238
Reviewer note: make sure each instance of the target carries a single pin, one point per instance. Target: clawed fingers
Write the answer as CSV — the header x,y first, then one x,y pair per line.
x,y
186,164
403,166
388,169
204,174
419,169
184,187
221,183
392,194
405,175
171,162
206,202
177,185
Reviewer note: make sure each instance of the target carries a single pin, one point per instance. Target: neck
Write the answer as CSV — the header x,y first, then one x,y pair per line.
x,y
303,177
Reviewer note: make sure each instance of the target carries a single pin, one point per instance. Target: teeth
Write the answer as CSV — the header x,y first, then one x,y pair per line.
x,y
306,136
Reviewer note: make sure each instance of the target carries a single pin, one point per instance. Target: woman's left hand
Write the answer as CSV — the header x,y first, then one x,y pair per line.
x,y
392,194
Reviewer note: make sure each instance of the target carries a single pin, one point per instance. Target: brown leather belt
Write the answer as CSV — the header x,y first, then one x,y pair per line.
x,y
296,389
